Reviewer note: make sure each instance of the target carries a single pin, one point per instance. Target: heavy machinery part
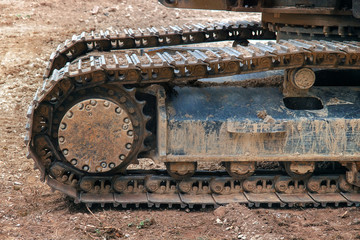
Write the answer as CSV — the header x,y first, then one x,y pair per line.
x,y
294,19
181,170
206,188
275,6
298,81
303,78
104,135
152,37
240,170
300,170
113,75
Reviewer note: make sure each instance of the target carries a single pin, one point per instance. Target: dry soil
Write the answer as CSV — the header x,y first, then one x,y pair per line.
x,y
29,32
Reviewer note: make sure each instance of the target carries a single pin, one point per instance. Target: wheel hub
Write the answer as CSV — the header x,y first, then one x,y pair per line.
x,y
96,135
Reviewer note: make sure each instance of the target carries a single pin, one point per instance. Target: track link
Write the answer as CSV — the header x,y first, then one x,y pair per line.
x,y
176,66
78,45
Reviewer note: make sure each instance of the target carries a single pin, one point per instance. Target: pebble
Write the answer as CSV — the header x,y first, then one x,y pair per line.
x,y
112,9
127,235
220,212
240,236
95,10
218,221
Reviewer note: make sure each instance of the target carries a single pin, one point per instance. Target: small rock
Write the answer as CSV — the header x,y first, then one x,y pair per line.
x,y
229,228
127,235
187,210
240,236
218,221
220,212
16,188
95,10
112,9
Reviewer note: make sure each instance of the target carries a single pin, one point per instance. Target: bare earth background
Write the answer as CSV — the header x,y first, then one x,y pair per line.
x,y
29,32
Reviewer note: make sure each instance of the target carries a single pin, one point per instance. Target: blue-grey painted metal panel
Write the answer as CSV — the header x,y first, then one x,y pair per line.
x,y
237,123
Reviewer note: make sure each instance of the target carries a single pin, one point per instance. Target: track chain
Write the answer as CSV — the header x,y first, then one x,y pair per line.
x,y
108,40
181,66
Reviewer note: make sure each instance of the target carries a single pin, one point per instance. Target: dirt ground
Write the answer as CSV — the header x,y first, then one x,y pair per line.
x,y
29,32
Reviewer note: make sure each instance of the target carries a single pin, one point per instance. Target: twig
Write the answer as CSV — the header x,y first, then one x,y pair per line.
x,y
93,214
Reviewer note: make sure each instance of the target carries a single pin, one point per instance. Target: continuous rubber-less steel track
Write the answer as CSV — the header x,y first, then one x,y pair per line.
x,y
77,72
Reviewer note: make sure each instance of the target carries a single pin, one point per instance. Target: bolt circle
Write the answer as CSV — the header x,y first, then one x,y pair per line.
x,y
65,152
69,114
118,110
101,130
63,126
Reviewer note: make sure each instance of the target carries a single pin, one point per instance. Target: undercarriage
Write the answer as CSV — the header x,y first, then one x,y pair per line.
x,y
274,130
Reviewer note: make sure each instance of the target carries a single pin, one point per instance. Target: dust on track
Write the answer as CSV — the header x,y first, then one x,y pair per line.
x,y
29,32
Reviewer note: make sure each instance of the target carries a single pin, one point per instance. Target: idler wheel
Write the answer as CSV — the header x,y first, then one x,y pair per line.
x,y
299,170
96,135
181,170
240,170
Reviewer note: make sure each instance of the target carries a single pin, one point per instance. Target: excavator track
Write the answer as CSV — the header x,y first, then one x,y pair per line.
x,y
89,73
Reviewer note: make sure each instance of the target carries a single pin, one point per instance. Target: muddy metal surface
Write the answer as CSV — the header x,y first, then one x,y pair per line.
x,y
28,210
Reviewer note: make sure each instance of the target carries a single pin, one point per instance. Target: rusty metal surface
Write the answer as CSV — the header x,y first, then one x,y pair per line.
x,y
263,198
299,199
84,43
202,199
113,75
230,198
352,197
292,19
169,199
324,199
104,135
278,6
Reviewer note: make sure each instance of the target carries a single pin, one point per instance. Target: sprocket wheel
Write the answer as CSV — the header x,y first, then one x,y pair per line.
x,y
100,129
